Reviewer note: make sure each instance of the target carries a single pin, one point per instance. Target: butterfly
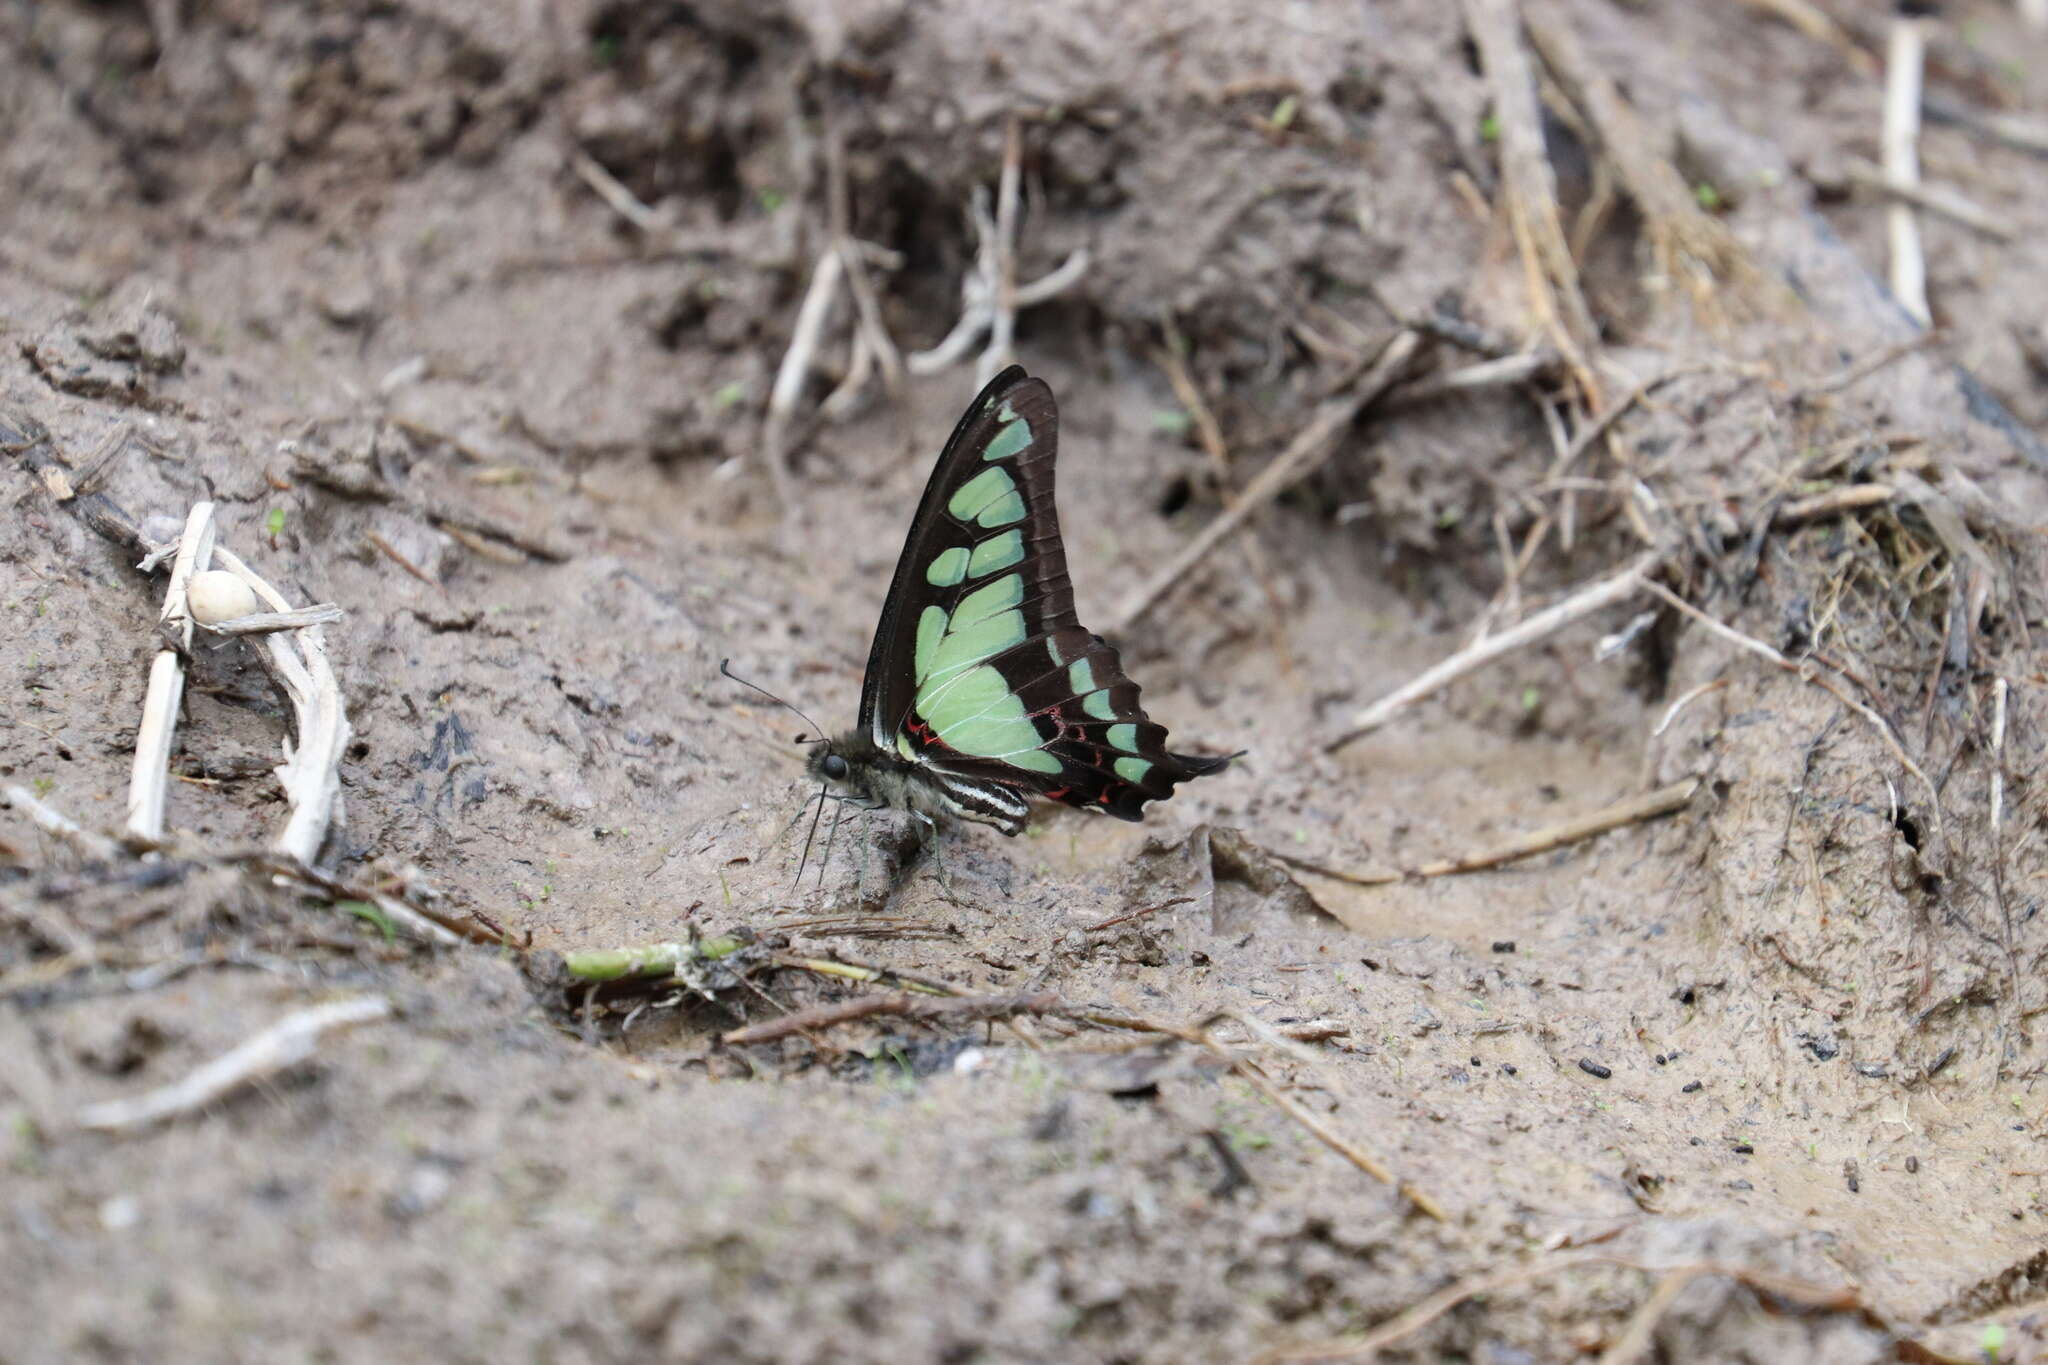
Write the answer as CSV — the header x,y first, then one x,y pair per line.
x,y
982,688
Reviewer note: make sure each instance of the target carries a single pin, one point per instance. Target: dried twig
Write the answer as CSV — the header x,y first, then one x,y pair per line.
x,y
149,777
1002,327
286,1043
990,295
311,771
91,843
1245,1070
2027,133
1811,20
1850,497
957,1009
1502,372
1883,360
270,622
872,343
1303,456
1208,431
1530,187
1685,699
1999,689
1950,204
1631,810
1905,62
622,200
1579,605
811,316
1689,243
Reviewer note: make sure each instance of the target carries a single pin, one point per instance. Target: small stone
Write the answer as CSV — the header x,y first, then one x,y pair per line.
x,y
218,595
120,1213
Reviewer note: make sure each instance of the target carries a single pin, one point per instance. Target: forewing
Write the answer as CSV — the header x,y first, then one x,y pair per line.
x,y
979,669
986,538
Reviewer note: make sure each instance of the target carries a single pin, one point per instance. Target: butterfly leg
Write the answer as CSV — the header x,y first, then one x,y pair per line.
x,y
933,842
928,842
867,843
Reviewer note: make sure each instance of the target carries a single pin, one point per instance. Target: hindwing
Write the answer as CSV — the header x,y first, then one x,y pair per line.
x,y
980,672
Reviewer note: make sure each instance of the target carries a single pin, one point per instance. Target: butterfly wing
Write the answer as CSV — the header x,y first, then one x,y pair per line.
x,y
980,672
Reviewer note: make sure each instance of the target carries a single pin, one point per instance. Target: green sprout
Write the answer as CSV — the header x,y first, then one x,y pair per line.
x,y
1244,1139
273,522
1489,128
366,910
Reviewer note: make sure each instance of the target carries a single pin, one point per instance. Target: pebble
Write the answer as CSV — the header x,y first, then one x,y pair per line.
x,y
218,595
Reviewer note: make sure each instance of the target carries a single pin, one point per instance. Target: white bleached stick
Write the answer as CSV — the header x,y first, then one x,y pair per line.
x,y
289,1041
311,771
1904,64
149,778
1549,621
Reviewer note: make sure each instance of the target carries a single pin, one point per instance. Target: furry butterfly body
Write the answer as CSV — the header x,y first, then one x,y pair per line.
x,y
982,688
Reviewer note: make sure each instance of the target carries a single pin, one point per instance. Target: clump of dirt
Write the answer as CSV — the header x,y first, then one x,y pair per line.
x,y
1639,991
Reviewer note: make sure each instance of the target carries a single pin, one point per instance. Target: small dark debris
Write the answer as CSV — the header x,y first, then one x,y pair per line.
x,y
1368,964
1235,1176
1475,1061
1593,1068
1740,1185
1874,1070
1508,1067
1661,1059
1052,1123
1849,1173
1912,1165
1503,945
1698,1143
1673,1055
1940,1064
1824,1049
1689,1087
1745,1149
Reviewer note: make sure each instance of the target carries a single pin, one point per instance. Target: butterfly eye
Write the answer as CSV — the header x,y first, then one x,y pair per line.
x,y
834,767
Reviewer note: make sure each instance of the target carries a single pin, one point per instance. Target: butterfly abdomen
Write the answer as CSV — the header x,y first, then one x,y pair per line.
x,y
878,776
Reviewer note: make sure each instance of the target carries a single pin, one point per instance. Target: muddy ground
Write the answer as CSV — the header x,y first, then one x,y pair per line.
x,y
466,316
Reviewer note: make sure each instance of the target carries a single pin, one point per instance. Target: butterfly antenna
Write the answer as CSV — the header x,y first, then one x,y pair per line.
x,y
806,857
723,667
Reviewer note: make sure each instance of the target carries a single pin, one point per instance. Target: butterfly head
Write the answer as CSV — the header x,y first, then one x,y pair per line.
x,y
844,764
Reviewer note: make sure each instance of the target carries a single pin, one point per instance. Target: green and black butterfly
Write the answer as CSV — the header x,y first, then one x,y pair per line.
x,y
982,688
